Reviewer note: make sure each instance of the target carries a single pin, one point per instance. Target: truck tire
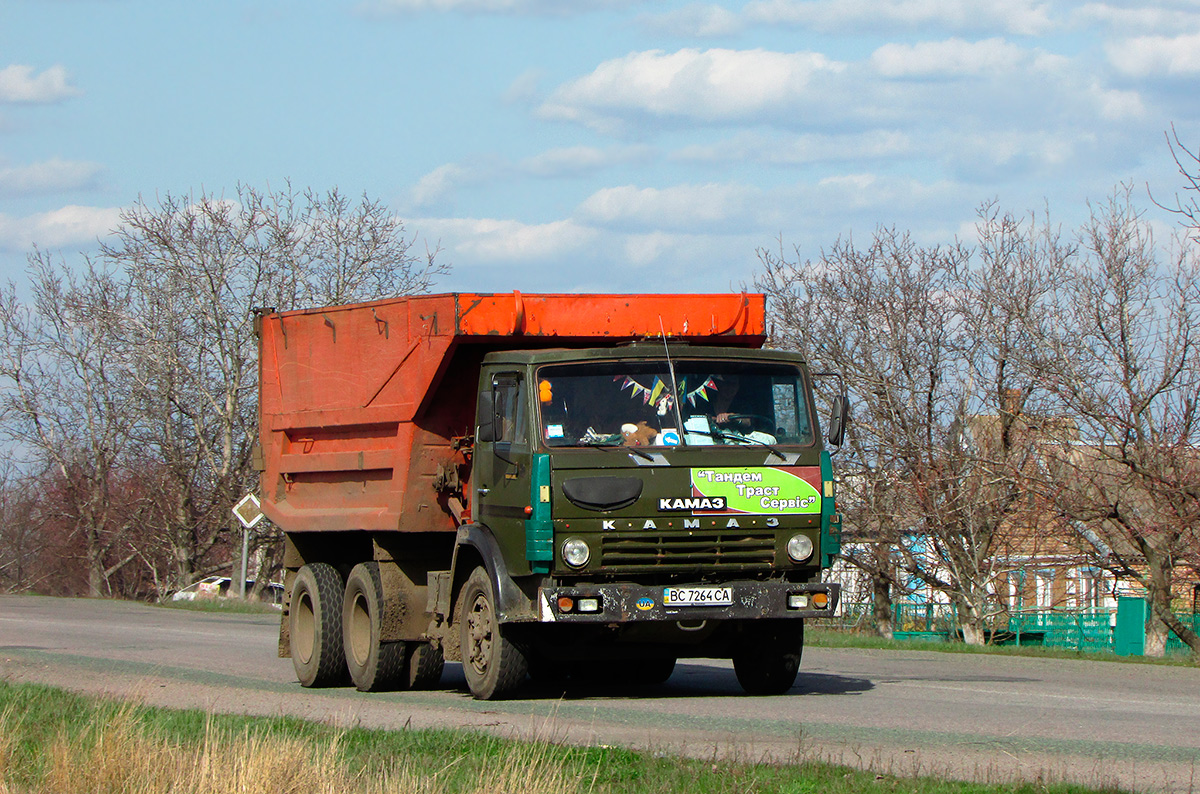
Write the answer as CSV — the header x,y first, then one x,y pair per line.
x,y
425,664
653,672
492,664
769,659
315,630
374,665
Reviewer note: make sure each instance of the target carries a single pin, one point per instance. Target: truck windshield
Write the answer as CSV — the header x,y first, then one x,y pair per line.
x,y
630,403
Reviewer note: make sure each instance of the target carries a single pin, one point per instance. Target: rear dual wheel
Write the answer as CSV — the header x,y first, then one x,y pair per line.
x,y
375,665
425,664
336,631
315,626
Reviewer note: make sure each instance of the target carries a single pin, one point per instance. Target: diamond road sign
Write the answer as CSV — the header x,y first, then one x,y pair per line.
x,y
248,511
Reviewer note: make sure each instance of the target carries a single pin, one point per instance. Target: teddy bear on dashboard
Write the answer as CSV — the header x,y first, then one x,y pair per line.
x,y
639,435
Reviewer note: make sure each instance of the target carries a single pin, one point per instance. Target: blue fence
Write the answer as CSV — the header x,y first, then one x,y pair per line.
x,y
1082,630
1176,645
1085,630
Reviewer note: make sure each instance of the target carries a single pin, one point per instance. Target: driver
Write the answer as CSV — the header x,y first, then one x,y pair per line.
x,y
722,404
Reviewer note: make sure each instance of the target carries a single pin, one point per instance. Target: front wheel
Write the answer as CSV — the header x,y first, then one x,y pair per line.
x,y
655,671
492,664
769,658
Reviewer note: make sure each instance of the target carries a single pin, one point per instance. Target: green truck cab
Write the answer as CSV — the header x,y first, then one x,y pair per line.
x,y
624,542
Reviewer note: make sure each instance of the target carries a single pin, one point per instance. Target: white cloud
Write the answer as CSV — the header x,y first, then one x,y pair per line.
x,y
951,58
70,225
680,207
482,240
51,176
577,160
514,7
1148,56
900,88
992,157
715,84
18,83
694,21
698,238
525,88
645,249
1022,17
1141,19
804,149
1117,105
438,185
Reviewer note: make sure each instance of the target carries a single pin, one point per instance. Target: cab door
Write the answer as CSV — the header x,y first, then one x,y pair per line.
x,y
502,463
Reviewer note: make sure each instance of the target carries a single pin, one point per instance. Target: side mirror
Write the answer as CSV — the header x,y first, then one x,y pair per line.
x,y
486,413
839,417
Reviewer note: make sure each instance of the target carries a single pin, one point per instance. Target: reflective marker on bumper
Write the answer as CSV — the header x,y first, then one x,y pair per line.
x,y
797,601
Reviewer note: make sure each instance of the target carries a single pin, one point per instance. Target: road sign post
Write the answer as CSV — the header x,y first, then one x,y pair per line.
x,y
248,511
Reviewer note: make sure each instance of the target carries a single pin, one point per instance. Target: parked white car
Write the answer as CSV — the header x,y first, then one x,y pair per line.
x,y
219,586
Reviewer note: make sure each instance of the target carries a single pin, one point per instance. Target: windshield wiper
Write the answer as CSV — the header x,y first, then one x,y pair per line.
x,y
608,442
632,450
738,437
778,454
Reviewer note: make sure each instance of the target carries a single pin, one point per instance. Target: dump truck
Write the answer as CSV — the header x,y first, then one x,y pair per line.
x,y
563,487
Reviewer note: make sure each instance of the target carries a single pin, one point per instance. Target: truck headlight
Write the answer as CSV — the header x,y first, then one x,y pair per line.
x,y
800,548
575,552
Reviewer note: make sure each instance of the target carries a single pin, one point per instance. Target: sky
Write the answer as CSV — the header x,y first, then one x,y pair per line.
x,y
594,145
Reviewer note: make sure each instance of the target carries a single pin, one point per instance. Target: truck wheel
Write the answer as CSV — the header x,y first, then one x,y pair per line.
x,y
425,664
492,664
315,629
769,660
374,665
653,672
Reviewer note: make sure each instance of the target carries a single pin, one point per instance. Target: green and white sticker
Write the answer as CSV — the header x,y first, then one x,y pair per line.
x,y
757,489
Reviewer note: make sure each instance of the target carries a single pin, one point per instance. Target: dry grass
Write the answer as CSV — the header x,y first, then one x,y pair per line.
x,y
123,756
56,742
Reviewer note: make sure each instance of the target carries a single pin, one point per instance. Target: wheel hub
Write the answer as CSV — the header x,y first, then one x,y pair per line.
x,y
479,634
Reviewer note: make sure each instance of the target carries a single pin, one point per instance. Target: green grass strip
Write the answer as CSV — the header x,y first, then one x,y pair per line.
x,y
39,719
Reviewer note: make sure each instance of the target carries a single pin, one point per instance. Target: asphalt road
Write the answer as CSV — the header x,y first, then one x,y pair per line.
x,y
975,716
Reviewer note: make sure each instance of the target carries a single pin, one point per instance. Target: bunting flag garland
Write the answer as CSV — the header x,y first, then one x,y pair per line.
x,y
701,391
658,390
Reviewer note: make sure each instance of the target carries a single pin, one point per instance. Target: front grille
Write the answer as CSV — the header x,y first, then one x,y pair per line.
x,y
737,550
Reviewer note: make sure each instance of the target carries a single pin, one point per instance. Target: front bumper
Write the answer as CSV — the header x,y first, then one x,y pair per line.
x,y
623,602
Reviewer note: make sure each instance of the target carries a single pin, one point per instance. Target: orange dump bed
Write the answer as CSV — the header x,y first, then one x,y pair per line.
x,y
361,406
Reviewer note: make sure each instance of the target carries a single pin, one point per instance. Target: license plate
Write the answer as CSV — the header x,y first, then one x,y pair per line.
x,y
698,596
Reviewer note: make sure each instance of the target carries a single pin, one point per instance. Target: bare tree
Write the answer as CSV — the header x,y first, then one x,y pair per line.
x,y
21,544
1186,208
131,382
928,340
67,402
1121,355
882,316
196,269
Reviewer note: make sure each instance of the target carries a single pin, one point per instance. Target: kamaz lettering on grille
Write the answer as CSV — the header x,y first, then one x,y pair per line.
x,y
680,505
